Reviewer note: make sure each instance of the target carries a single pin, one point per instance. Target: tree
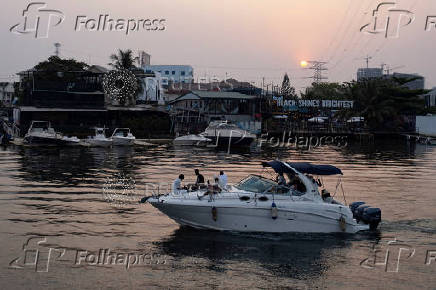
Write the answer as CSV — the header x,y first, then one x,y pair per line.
x,y
287,90
57,64
384,102
123,60
325,91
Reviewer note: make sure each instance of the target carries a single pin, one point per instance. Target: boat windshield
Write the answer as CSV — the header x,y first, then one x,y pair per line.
x,y
256,184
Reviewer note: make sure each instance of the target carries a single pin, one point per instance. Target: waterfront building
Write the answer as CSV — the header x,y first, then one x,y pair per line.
x,y
6,93
194,110
369,73
172,73
74,102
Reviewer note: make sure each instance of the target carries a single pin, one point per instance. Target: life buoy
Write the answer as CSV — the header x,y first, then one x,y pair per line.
x,y
274,211
214,213
342,223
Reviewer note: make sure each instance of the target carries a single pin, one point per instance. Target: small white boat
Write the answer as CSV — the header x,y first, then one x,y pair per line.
x,y
192,140
259,204
123,137
99,139
71,141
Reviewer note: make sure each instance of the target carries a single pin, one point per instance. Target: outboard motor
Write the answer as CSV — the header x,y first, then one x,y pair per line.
x,y
359,212
365,213
354,206
372,216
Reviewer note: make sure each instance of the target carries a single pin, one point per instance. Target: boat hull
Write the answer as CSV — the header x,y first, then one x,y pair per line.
x,y
224,141
123,141
254,219
99,143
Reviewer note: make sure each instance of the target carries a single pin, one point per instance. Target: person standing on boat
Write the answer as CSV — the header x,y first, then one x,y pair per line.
x,y
222,180
177,184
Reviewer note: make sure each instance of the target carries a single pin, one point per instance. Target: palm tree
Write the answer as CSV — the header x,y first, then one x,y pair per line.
x,y
123,60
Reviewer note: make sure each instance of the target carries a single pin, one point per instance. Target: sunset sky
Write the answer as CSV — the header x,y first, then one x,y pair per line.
x,y
247,39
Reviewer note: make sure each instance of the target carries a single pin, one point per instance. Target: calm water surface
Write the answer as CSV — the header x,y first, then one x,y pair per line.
x,y
54,196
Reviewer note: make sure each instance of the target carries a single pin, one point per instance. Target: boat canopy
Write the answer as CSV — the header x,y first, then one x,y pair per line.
x,y
303,167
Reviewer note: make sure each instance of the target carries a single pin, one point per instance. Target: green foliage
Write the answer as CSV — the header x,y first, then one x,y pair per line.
x,y
325,91
287,91
383,103
123,60
57,64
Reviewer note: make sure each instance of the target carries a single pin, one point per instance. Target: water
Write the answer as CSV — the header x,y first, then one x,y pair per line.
x,y
55,196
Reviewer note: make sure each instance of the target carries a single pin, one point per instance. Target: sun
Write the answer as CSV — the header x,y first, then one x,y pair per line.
x,y
303,63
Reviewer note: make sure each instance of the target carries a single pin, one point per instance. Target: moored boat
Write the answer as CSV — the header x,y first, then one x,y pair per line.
x,y
99,139
224,133
123,137
192,140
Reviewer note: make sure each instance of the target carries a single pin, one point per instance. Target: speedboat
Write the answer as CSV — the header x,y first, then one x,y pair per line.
x,y
99,139
123,137
42,132
259,204
191,140
224,133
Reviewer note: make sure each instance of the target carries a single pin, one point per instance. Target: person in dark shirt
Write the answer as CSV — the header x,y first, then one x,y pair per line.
x,y
200,178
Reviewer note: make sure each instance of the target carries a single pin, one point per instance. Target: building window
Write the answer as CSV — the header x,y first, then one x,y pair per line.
x,y
173,72
183,73
167,72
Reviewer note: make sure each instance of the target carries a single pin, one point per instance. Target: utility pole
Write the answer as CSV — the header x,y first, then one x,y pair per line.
x,y
57,46
367,58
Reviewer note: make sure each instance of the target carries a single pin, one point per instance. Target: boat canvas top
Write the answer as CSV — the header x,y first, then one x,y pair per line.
x,y
303,167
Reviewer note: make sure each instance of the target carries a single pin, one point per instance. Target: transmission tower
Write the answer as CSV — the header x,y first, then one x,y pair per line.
x,y
318,67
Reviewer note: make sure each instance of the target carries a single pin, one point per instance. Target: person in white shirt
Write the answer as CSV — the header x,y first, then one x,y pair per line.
x,y
222,180
177,184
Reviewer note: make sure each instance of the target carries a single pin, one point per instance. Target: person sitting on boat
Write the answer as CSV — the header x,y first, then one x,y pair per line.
x,y
327,198
199,183
177,184
281,179
222,180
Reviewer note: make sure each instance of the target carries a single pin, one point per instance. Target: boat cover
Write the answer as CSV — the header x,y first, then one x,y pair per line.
x,y
303,167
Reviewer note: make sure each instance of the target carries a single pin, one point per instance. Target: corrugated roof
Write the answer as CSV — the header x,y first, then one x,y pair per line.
x,y
197,95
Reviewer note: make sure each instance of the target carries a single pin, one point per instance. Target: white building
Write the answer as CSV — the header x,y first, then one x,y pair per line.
x,y
369,73
430,98
6,93
172,73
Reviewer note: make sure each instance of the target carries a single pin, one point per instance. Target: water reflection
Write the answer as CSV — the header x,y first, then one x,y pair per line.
x,y
290,255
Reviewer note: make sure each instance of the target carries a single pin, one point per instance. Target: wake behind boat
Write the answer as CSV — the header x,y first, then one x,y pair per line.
x,y
259,204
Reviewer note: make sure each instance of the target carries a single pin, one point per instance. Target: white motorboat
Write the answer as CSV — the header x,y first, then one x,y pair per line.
x,y
99,139
223,133
122,137
41,132
258,204
192,140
